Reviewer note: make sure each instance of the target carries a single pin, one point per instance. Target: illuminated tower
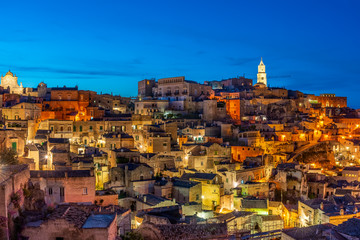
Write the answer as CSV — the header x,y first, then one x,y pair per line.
x,y
261,76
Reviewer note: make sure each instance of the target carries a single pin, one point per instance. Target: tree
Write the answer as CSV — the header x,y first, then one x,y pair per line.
x,y
8,157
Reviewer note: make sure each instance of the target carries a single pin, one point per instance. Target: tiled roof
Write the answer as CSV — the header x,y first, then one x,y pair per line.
x,y
314,233
132,166
152,200
207,176
350,227
58,140
71,214
351,169
249,203
184,183
60,173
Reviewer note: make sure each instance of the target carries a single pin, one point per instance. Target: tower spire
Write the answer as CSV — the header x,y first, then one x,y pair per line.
x,y
261,76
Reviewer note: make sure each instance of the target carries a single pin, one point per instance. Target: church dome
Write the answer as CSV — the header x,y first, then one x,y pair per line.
x,y
9,73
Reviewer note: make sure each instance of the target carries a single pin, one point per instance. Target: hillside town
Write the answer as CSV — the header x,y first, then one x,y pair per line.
x,y
226,159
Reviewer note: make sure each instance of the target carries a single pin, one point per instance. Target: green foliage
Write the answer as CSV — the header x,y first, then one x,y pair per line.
x,y
8,157
132,236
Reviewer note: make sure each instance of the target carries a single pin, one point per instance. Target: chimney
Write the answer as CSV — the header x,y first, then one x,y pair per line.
x,y
145,199
322,206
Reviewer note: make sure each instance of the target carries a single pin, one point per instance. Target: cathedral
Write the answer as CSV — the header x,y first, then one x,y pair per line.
x,y
10,81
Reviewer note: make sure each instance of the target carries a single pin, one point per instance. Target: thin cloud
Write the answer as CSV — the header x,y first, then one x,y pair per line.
x,y
240,61
280,76
75,72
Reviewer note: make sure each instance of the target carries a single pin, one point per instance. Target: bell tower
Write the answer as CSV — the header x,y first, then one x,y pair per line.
x,y
261,76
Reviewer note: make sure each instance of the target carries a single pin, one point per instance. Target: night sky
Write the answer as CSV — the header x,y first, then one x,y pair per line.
x,y
311,46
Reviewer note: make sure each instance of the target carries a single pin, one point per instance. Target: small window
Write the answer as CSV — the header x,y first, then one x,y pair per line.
x,y
85,192
101,128
91,128
80,128
74,128
50,191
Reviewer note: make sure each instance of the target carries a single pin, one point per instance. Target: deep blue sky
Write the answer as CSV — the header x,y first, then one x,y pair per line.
x,y
108,46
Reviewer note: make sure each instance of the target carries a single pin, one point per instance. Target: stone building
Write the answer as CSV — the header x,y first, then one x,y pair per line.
x,y
70,104
14,139
231,84
65,186
213,110
145,88
211,188
58,156
72,222
156,140
177,88
58,128
185,191
329,100
158,162
22,111
204,157
123,155
240,153
151,106
132,178
115,140
235,108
